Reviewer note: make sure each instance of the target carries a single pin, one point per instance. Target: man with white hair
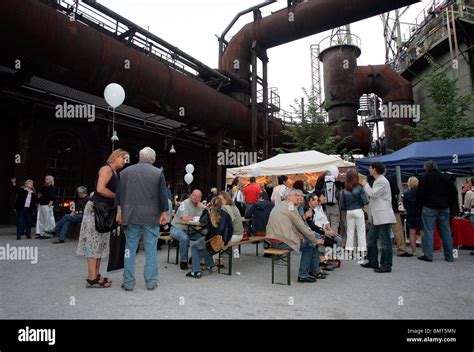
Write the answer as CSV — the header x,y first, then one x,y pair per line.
x,y
142,205
45,222
287,230
190,208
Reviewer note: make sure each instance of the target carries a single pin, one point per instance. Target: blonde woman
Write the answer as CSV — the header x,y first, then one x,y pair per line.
x,y
414,222
24,205
92,244
218,222
229,206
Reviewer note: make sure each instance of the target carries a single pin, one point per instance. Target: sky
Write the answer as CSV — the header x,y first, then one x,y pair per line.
x,y
191,25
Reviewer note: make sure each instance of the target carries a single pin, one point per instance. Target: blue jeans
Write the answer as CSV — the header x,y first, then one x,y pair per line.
x,y
182,237
307,256
440,217
150,239
198,250
63,224
23,222
381,234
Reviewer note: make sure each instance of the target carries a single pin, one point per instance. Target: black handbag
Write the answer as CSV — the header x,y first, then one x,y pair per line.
x,y
117,249
104,215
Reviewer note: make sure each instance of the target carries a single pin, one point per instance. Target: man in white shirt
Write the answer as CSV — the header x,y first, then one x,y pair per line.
x,y
190,208
279,191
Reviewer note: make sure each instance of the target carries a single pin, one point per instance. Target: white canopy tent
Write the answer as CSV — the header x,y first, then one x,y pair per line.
x,y
290,164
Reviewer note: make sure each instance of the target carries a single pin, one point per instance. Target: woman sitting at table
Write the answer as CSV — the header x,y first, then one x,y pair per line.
x,y
231,209
218,222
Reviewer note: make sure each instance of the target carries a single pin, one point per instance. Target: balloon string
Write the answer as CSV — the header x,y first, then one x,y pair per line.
x,y
113,128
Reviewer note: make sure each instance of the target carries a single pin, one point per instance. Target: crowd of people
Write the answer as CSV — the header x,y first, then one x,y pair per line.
x,y
326,222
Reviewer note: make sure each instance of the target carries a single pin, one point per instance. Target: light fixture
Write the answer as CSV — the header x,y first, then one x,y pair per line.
x,y
114,136
172,150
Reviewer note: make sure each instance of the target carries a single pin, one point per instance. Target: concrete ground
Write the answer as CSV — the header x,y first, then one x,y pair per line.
x,y
54,288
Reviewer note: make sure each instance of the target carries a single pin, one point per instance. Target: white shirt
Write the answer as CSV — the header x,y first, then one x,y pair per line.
x,y
28,200
320,219
277,194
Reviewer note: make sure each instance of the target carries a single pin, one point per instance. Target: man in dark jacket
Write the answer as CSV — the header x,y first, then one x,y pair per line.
x,y
435,193
45,222
76,214
259,213
143,202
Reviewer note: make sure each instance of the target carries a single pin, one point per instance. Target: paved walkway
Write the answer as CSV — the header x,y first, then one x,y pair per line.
x,y
54,288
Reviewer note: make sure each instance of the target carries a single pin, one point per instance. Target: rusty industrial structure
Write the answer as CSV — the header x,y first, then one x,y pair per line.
x,y
345,83
57,50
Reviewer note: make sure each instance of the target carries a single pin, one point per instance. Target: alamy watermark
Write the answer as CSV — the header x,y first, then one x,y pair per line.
x,y
231,158
37,335
341,254
75,111
19,253
396,111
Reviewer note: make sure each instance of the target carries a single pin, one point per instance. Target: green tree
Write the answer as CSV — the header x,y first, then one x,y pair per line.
x,y
445,117
313,133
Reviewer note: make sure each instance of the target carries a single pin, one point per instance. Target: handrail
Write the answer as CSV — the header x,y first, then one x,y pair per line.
x,y
93,13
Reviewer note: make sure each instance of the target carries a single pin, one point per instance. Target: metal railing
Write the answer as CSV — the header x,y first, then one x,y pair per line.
x,y
341,37
428,32
107,21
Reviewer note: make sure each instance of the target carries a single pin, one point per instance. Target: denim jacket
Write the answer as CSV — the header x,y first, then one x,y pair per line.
x,y
355,199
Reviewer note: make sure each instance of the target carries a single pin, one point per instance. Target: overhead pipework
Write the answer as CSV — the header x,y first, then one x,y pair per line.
x,y
64,42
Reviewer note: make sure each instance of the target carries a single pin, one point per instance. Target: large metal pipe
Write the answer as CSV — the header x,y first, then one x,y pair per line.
x,y
345,83
310,17
49,45
393,89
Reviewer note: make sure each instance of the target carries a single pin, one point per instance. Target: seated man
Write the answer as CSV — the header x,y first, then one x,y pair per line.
x,y
259,214
76,215
287,230
320,219
188,209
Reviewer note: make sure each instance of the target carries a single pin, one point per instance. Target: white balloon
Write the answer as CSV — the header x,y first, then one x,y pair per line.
x,y
333,170
255,170
188,178
189,168
114,95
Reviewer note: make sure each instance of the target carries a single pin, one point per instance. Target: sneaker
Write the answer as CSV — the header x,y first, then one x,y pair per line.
x,y
368,266
327,266
405,255
212,269
382,270
209,270
58,241
183,266
126,289
306,279
196,275
425,259
319,275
